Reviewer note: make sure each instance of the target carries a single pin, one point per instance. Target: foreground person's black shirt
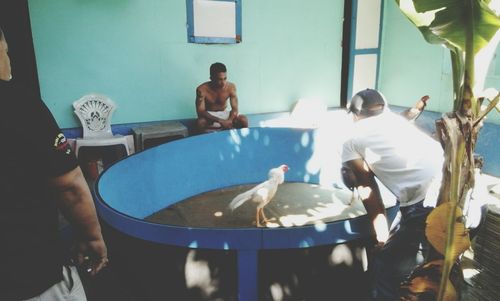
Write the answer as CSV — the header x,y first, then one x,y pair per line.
x,y
32,150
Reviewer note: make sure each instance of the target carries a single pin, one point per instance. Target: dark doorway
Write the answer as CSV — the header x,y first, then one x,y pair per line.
x,y
15,22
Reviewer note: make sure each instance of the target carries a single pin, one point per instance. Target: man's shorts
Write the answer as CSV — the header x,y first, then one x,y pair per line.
x,y
219,114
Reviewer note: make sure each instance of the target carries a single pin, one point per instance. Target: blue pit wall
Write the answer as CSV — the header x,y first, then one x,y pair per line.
x,y
172,172
486,144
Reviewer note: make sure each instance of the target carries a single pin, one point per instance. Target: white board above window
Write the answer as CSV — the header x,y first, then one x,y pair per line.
x,y
214,21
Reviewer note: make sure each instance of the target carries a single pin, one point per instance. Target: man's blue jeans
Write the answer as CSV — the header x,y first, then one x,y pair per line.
x,y
403,251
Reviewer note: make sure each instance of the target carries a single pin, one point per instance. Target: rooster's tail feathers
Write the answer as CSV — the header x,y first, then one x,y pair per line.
x,y
240,199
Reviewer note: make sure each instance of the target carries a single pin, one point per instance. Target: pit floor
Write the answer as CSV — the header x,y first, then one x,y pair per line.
x,y
294,204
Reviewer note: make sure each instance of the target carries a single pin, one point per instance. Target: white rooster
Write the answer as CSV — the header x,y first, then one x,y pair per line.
x,y
262,194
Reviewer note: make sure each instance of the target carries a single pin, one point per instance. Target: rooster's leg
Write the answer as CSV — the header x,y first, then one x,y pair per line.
x,y
257,218
264,218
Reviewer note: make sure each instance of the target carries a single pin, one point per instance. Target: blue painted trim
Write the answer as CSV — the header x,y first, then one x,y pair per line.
x,y
366,51
239,16
213,40
190,19
354,16
381,24
354,51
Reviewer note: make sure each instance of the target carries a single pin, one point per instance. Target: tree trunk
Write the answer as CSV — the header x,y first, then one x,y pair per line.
x,y
458,135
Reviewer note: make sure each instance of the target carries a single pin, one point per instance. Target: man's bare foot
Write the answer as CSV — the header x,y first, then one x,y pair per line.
x,y
422,102
413,113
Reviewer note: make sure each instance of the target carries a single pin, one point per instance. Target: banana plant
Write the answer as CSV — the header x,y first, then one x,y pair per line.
x,y
470,30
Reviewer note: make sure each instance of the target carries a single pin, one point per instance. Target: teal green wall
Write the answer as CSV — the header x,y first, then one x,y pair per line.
x,y
410,67
136,52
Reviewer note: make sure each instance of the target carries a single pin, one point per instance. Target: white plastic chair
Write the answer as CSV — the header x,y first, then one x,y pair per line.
x,y
95,112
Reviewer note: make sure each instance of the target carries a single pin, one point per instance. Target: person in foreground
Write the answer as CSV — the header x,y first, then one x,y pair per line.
x,y
212,104
386,146
40,176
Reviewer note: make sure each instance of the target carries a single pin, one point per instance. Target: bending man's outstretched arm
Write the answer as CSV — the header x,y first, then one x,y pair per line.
x,y
370,194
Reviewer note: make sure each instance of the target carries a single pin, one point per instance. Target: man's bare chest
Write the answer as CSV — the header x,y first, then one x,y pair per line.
x,y
216,98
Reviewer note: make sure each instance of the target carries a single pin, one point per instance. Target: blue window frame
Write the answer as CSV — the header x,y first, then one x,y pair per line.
x,y
214,21
367,56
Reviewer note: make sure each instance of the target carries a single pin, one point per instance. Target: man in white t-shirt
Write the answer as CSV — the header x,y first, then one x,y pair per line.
x,y
409,163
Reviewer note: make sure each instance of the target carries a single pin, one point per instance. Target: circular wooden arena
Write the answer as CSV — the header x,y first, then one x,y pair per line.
x,y
177,194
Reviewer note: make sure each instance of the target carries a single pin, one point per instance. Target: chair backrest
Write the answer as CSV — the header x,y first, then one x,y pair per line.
x,y
95,112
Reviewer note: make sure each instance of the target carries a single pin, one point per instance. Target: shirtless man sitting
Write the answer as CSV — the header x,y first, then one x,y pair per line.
x,y
211,102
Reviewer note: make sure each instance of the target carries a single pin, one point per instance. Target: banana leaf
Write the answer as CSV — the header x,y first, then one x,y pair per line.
x,y
465,27
451,22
